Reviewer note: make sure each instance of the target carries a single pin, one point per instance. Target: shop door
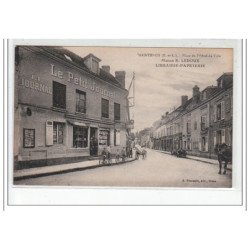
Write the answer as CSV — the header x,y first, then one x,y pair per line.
x,y
93,142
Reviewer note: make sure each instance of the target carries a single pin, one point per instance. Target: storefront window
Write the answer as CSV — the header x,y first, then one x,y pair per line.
x,y
105,108
80,137
104,137
57,133
80,101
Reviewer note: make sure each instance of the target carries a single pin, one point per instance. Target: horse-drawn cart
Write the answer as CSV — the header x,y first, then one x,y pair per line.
x,y
140,151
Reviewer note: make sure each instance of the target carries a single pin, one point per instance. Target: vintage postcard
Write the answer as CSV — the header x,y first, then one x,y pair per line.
x,y
134,116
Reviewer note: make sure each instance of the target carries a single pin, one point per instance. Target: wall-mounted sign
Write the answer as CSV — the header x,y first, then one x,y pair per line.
x,y
79,80
28,138
36,85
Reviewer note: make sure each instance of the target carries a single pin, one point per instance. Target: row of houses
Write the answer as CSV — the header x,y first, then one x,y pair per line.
x,y
200,122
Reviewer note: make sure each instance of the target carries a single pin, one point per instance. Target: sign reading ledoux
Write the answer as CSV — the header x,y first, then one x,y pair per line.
x,y
35,83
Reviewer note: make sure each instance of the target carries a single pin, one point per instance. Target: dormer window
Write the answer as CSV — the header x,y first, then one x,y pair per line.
x,y
92,62
68,58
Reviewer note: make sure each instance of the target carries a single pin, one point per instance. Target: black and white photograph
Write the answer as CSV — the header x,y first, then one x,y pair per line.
x,y
124,116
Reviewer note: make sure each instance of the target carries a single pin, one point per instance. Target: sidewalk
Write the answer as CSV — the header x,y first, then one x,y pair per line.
x,y
201,159
60,169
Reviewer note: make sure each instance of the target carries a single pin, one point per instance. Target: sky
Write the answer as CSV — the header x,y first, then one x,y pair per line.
x,y
159,89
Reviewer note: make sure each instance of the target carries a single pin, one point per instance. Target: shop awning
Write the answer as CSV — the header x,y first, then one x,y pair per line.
x,y
76,123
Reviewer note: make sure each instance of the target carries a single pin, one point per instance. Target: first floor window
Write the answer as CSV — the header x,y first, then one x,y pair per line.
x,y
59,95
117,111
80,101
57,133
80,137
105,108
188,127
203,122
219,112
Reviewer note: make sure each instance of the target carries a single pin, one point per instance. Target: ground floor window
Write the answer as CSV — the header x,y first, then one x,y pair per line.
x,y
195,145
104,137
203,143
80,137
188,144
58,129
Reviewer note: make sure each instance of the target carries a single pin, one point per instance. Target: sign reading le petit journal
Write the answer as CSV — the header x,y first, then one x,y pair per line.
x,y
37,85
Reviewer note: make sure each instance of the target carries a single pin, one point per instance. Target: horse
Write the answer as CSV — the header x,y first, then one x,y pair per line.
x,y
143,153
224,153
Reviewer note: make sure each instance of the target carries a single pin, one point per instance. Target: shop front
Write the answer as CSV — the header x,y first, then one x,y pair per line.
x,y
60,118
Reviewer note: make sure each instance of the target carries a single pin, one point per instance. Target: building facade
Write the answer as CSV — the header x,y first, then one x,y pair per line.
x,y
66,106
200,122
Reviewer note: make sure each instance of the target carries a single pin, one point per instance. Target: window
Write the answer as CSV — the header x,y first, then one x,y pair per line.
x,y
117,111
188,144
195,125
218,137
104,137
28,138
57,133
203,122
219,111
203,143
59,95
80,137
188,127
95,66
80,101
105,108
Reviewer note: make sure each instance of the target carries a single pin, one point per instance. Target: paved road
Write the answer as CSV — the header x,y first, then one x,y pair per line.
x,y
158,170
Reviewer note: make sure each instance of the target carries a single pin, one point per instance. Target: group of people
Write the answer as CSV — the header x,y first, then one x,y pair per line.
x,y
120,154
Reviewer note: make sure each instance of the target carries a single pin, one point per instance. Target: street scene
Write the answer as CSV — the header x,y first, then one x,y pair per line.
x,y
157,170
123,117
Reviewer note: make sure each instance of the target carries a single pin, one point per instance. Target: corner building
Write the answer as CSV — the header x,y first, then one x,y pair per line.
x,y
66,107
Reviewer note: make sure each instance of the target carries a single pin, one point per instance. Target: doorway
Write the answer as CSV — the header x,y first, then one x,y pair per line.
x,y
93,141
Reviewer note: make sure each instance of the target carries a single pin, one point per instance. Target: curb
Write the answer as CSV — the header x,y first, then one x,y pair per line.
x,y
204,161
65,171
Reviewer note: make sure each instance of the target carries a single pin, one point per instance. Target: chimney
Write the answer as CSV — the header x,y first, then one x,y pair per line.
x,y
196,90
184,99
106,68
196,94
120,77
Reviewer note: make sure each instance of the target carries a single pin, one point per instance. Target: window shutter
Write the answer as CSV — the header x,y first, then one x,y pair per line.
x,y
118,138
223,136
222,110
49,133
